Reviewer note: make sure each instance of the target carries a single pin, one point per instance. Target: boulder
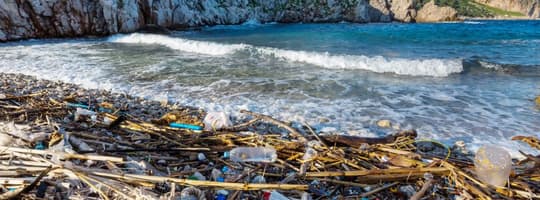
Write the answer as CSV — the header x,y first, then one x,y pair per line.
x,y
433,13
403,10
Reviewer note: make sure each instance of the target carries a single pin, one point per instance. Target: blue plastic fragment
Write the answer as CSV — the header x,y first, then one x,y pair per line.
x,y
40,146
225,169
220,179
221,197
226,154
101,109
186,126
78,105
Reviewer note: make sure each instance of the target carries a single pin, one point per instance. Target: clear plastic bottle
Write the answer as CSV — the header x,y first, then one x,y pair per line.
x,y
253,154
493,165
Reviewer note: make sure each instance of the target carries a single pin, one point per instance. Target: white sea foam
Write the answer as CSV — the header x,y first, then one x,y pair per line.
x,y
473,22
401,66
460,112
201,47
489,65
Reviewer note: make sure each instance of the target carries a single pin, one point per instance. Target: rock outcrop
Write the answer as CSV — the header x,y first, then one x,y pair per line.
x,y
530,8
433,13
20,19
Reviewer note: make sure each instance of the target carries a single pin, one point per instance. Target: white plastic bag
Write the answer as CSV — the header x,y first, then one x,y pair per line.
x,y
216,120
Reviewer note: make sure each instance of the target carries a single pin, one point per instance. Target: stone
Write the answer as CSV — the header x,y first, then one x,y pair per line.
x,y
537,101
433,13
403,10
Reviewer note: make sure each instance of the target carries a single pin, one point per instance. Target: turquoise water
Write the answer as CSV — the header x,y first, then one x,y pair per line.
x,y
472,81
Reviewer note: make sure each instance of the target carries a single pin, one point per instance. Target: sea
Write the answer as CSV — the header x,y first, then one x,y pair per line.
x,y
473,81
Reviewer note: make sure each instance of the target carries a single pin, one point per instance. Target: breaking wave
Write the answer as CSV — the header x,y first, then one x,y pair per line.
x,y
193,46
380,64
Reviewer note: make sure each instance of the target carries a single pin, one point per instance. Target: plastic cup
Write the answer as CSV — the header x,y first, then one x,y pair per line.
x,y
493,165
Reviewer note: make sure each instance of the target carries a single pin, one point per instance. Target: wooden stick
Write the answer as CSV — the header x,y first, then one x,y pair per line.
x,y
38,110
291,130
423,190
15,194
355,141
379,189
239,127
108,186
315,134
62,155
231,186
23,96
433,170
339,182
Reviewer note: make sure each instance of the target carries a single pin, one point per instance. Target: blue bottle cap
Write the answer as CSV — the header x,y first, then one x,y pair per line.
x,y
225,169
220,179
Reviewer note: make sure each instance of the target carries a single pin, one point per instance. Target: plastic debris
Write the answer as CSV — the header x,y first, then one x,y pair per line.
x,y
134,153
191,193
216,120
253,154
493,165
186,126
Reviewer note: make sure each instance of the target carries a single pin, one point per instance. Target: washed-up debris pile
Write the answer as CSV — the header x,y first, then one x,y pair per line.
x,y
58,141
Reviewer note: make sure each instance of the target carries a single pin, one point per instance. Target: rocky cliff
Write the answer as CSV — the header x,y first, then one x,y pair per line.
x,y
21,19
530,8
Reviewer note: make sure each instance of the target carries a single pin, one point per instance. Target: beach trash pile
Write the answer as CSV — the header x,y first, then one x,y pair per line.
x,y
82,144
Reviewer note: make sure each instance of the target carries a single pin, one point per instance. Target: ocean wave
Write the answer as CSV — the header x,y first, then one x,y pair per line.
x,y
473,22
380,64
201,47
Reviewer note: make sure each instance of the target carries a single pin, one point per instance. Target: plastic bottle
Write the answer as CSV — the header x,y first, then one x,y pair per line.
x,y
253,154
190,193
493,165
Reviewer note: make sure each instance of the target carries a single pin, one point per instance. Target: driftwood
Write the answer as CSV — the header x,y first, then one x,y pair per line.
x,y
15,194
294,133
62,155
356,141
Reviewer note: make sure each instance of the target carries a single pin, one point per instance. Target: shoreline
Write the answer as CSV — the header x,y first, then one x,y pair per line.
x,y
146,108
161,30
128,145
